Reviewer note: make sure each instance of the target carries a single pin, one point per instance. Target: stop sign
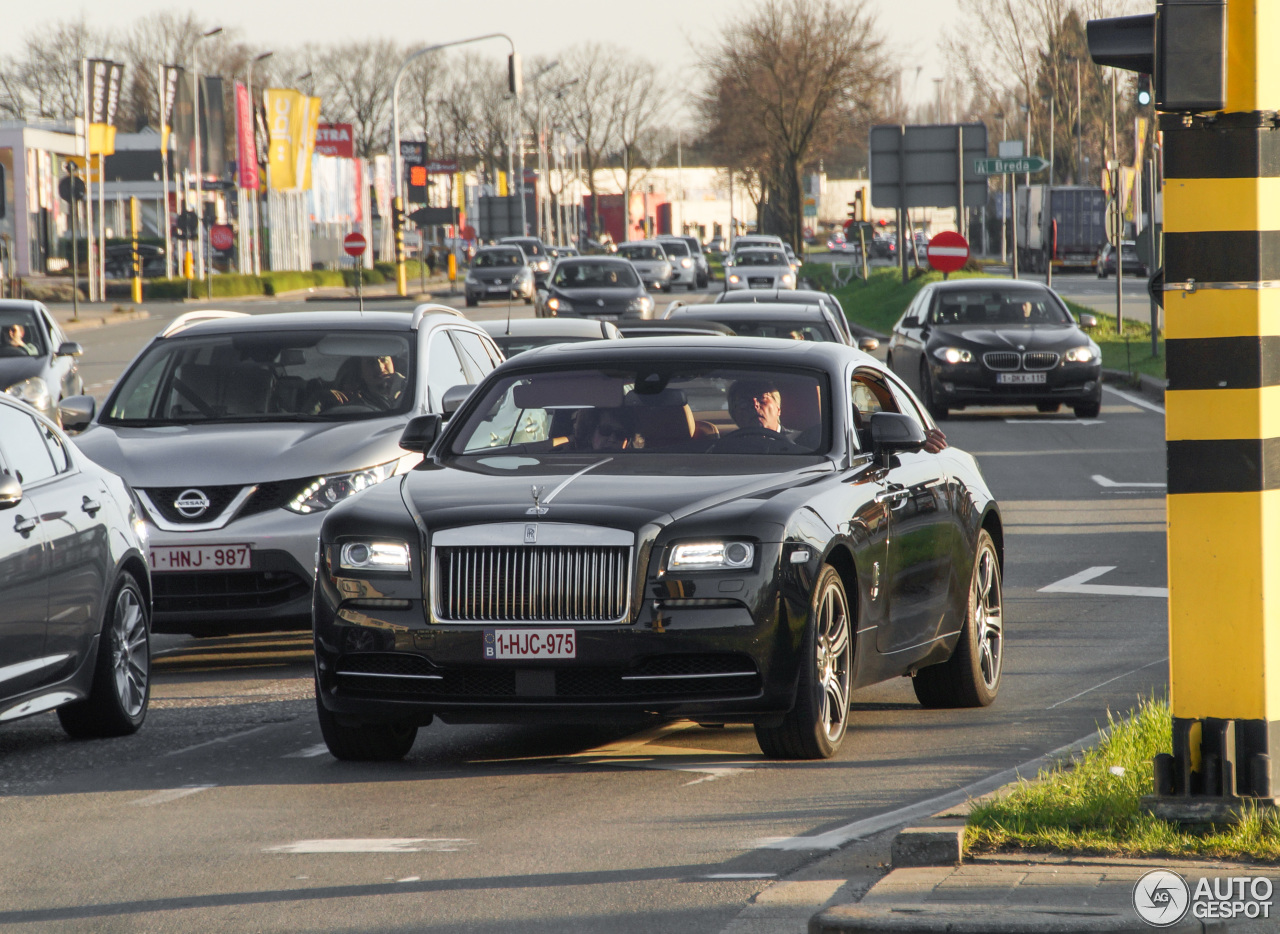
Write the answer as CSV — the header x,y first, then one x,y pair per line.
x,y
354,244
948,251
221,237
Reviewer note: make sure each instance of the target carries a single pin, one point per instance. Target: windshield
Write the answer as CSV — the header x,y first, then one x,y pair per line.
x,y
692,243
20,333
511,346
589,275
641,252
493,258
675,247
1004,307
700,409
530,247
266,376
760,258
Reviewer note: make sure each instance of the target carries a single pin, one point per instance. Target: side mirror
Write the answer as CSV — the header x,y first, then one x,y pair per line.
x,y
910,323
453,398
868,344
10,491
76,412
892,432
1088,322
69,349
421,433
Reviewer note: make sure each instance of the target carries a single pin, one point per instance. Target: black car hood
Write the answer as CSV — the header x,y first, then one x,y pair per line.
x,y
1045,337
227,454
627,492
614,296
16,369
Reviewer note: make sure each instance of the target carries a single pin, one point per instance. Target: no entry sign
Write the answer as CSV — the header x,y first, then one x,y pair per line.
x,y
221,237
948,251
354,244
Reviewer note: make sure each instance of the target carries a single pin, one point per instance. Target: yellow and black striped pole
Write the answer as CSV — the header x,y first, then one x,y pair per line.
x,y
1222,304
397,220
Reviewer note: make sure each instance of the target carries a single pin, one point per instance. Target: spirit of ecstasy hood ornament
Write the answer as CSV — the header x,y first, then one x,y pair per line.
x,y
537,509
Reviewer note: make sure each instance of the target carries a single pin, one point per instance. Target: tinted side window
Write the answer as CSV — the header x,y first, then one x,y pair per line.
x,y
57,450
475,355
444,369
25,454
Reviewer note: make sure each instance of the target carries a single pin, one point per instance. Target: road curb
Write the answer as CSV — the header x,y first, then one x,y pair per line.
x,y
101,321
959,919
1149,386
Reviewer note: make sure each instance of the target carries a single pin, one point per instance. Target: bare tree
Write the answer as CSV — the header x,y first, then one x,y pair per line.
x,y
638,100
354,80
169,38
586,110
44,79
795,68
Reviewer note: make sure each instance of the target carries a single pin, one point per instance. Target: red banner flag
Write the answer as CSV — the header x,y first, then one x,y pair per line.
x,y
246,151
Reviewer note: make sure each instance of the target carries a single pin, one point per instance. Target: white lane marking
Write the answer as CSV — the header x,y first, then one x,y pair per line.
x,y
170,794
1158,661
372,845
319,749
740,875
1110,484
834,839
221,739
1078,583
1054,421
410,879
709,772
1136,400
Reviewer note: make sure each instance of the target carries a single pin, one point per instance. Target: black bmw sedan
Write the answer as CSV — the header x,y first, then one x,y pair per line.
x,y
605,287
740,530
996,342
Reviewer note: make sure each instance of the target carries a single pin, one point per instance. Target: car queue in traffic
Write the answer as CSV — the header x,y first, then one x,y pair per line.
x,y
501,492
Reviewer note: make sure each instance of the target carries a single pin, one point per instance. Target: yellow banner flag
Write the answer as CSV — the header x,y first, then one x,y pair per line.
x,y
102,139
284,111
307,144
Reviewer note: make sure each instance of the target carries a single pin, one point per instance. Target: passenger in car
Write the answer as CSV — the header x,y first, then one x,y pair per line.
x,y
15,344
603,430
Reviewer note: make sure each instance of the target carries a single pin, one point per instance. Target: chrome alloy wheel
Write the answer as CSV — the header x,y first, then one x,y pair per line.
x,y
988,617
130,655
833,662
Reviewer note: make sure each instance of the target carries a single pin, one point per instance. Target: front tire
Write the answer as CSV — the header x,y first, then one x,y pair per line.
x,y
1088,410
816,725
971,676
117,702
936,409
367,742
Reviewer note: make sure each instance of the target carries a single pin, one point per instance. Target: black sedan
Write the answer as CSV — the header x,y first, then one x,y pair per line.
x,y
605,287
521,334
792,321
791,296
996,342
37,362
733,531
75,593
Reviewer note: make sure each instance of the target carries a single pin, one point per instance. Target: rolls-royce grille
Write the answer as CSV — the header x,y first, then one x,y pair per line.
x,y
1039,360
1001,360
499,583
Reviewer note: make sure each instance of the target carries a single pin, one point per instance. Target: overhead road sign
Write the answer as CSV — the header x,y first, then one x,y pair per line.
x,y
1010,166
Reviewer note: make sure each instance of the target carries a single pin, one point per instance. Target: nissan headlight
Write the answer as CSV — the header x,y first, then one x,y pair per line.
x,y
34,392
953,355
708,556
1080,355
558,305
641,305
324,492
374,556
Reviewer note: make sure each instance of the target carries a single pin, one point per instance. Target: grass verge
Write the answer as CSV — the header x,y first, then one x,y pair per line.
x,y
1091,805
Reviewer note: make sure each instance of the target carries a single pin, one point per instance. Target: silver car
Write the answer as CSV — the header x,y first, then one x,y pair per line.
x,y
760,268
684,268
37,362
650,262
239,432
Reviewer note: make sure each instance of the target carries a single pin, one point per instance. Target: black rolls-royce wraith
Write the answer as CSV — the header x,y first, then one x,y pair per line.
x,y
740,530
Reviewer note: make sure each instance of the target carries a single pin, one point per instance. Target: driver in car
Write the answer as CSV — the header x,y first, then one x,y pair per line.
x,y
15,344
376,384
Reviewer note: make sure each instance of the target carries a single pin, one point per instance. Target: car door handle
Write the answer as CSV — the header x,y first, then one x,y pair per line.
x,y
894,498
24,524
90,505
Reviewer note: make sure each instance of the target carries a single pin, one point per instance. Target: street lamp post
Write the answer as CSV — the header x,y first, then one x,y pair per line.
x,y
1004,203
513,84
1048,246
254,213
202,271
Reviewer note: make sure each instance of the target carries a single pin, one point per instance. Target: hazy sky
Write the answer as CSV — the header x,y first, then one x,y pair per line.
x,y
666,31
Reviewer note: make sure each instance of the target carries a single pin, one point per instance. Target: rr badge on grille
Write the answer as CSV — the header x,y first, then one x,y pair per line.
x,y
531,534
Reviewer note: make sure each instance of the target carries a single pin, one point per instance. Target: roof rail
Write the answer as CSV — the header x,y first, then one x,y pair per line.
x,y
195,317
672,307
432,308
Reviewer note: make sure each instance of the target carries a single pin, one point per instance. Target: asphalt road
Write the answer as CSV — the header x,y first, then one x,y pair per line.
x,y
225,813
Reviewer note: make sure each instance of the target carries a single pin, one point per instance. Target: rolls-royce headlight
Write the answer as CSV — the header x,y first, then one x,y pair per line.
x,y
1079,355
702,556
34,392
324,492
953,355
374,556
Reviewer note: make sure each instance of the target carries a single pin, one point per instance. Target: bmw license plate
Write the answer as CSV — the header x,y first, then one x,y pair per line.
x,y
1019,378
530,643
202,558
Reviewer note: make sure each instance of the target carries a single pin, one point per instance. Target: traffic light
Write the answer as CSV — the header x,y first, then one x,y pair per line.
x,y
857,207
1189,33
186,225
1143,96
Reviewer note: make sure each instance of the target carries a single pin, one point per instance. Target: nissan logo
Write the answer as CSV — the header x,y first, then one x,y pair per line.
x,y
191,503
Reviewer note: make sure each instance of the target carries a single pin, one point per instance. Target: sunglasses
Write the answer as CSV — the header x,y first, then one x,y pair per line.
x,y
612,432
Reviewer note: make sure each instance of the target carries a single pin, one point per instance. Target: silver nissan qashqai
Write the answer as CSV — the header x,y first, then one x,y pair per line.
x,y
239,432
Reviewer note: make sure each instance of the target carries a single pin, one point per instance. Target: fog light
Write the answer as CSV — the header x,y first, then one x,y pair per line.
x,y
949,387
